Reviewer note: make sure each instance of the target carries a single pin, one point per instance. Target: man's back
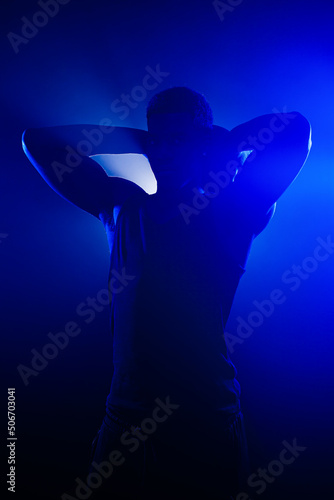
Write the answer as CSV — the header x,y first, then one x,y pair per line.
x,y
168,316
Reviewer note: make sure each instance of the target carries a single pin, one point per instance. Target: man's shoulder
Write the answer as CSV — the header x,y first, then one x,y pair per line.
x,y
242,213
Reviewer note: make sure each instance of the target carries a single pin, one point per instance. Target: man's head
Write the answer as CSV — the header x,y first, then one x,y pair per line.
x,y
179,122
182,100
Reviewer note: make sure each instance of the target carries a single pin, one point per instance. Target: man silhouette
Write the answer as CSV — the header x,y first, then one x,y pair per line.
x,y
173,413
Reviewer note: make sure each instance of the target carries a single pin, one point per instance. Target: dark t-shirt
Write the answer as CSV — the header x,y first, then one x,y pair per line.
x,y
172,284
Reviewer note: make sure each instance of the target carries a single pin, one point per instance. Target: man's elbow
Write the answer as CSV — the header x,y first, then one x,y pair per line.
x,y
38,145
302,132
28,140
24,139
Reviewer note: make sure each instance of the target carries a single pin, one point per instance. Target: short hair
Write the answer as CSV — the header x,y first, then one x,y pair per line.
x,y
182,100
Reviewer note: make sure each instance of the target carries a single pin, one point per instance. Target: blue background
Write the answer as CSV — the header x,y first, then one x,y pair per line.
x,y
262,55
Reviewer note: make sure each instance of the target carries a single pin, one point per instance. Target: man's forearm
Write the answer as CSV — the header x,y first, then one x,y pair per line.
x,y
263,130
85,140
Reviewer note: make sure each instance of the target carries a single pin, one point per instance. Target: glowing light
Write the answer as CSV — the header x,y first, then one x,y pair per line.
x,y
131,166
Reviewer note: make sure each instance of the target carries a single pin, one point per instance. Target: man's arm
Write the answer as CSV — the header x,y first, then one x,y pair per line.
x,y
280,144
61,155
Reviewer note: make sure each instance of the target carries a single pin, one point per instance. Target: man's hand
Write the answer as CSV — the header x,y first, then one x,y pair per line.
x,y
280,145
